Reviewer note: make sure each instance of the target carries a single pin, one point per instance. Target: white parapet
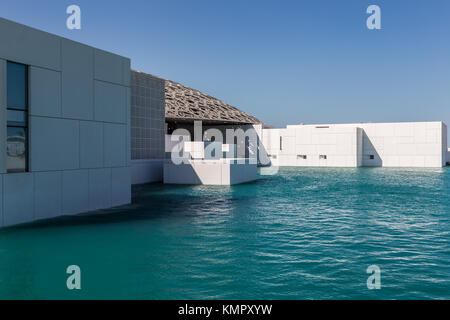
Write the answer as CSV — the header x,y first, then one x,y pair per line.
x,y
210,172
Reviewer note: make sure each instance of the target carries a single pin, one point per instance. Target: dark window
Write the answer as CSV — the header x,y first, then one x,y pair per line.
x,y
301,156
17,86
281,143
372,157
17,118
322,156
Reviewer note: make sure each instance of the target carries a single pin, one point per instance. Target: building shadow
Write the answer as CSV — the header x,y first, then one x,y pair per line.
x,y
370,156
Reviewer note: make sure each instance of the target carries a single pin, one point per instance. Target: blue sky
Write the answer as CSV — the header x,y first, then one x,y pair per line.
x,y
285,62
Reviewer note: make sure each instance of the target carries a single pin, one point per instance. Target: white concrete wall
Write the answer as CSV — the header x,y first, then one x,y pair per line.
x,y
409,144
79,127
444,145
152,170
209,172
199,149
196,149
248,132
338,144
171,141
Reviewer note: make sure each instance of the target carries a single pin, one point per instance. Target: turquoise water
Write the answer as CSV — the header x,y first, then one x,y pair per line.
x,y
302,234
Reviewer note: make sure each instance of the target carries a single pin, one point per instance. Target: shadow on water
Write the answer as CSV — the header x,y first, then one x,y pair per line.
x,y
158,201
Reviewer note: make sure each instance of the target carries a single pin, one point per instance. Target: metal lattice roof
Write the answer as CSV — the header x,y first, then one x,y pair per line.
x,y
187,104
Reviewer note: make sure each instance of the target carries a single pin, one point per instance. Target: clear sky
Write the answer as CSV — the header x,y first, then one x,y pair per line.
x,y
285,62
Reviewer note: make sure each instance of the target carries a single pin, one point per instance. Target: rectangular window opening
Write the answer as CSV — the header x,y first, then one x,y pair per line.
x,y
302,156
323,157
17,118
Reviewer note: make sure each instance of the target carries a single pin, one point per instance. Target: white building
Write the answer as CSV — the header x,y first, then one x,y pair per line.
x,y
207,163
64,126
407,144
77,129
161,106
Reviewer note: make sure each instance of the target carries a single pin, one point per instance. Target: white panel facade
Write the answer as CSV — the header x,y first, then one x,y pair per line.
x,y
126,65
109,102
45,92
47,194
209,172
309,146
444,145
409,144
120,186
55,144
35,47
99,188
75,191
78,136
77,80
109,67
115,144
18,198
128,108
91,144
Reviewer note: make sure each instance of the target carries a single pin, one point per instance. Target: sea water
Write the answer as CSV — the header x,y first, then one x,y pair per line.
x,y
305,233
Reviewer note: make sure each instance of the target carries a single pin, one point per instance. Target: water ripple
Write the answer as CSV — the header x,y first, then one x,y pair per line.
x,y
302,234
